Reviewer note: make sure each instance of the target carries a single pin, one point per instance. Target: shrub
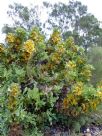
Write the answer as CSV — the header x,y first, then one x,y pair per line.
x,y
43,82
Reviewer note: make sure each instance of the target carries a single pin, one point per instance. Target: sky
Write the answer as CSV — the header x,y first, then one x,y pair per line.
x,y
94,7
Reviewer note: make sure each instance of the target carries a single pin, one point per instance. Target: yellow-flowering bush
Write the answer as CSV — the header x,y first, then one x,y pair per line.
x,y
42,80
82,99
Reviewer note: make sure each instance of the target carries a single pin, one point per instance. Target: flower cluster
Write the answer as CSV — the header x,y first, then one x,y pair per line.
x,y
55,38
36,36
29,46
55,57
29,49
86,71
10,38
80,60
71,65
14,90
1,48
21,47
13,93
80,101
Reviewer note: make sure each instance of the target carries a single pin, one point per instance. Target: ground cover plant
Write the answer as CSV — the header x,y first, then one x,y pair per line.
x,y
44,83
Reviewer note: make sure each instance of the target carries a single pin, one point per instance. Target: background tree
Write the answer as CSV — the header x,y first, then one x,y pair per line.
x,y
22,16
95,58
74,19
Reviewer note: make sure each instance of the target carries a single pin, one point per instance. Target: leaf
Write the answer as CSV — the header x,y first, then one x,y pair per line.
x,y
34,94
76,126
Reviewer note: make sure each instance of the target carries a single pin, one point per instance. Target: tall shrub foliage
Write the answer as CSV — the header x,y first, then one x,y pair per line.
x,y
43,82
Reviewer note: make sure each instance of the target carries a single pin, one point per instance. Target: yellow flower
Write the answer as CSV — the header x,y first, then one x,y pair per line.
x,y
83,107
10,38
36,36
70,42
70,64
86,107
73,101
14,90
87,73
99,94
75,48
55,38
93,104
29,46
11,103
78,88
65,103
60,49
77,91
56,57
26,56
80,60
71,98
1,48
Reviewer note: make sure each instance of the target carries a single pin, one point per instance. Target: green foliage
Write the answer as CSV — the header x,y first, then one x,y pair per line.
x,y
44,82
95,58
